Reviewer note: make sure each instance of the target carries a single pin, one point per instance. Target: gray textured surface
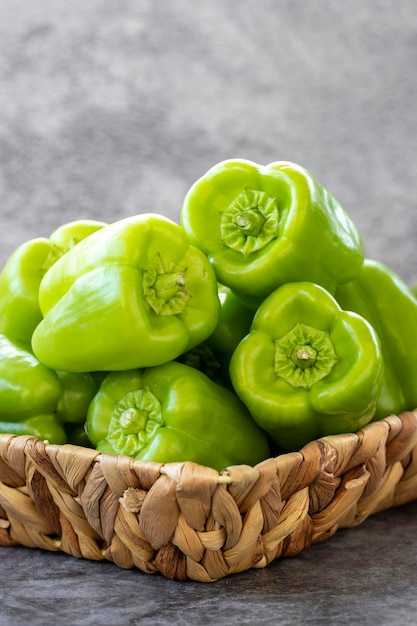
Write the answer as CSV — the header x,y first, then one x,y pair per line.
x,y
109,108
362,576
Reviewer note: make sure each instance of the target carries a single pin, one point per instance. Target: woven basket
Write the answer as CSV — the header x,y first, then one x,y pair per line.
x,y
187,521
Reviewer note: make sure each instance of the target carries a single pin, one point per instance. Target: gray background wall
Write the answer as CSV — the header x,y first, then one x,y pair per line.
x,y
112,107
109,107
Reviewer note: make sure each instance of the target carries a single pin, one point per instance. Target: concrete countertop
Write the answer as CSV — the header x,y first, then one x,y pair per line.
x,y
113,108
365,575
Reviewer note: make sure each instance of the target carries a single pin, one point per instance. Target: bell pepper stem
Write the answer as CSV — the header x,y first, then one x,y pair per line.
x,y
250,222
304,356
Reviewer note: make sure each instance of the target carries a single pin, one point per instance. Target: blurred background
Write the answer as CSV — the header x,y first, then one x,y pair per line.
x,y
114,107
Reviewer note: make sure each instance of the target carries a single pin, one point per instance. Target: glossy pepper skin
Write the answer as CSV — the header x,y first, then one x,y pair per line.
x,y
307,368
22,274
171,413
213,356
234,323
133,294
77,391
35,400
388,303
263,226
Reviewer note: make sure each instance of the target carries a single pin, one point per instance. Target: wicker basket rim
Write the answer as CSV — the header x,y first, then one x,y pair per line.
x,y
188,521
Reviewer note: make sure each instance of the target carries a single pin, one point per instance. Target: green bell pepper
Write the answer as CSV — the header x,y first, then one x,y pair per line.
x,y
213,356
307,368
234,323
75,434
133,294
22,274
170,413
202,358
29,394
36,400
263,226
388,303
77,391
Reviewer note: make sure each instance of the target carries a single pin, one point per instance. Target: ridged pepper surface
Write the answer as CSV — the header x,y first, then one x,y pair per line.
x,y
36,400
382,297
263,226
307,368
170,413
21,276
133,294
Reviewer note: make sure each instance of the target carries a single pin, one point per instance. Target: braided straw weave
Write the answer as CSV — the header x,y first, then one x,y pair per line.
x,y
188,521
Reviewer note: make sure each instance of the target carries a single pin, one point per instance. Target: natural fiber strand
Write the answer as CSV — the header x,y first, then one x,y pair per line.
x,y
186,521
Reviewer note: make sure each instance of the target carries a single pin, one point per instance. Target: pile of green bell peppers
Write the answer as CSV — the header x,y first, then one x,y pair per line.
x,y
252,326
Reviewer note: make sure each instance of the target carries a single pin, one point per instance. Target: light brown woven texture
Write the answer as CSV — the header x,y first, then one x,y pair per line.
x,y
187,521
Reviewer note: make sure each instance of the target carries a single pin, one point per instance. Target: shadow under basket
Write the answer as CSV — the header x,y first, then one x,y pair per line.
x,y
187,521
